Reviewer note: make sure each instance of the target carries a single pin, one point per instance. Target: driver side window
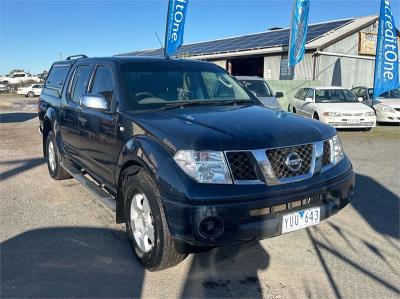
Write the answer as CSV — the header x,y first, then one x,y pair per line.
x,y
103,83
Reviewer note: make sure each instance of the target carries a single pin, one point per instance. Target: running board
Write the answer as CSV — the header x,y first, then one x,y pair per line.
x,y
90,186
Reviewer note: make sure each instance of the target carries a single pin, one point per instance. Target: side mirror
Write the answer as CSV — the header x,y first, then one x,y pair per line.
x,y
279,94
94,101
309,100
361,99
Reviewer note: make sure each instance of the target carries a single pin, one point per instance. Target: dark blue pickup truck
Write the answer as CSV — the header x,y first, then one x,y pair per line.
x,y
186,156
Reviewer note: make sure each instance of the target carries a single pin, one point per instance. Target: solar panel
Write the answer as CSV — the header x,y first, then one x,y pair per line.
x,y
249,42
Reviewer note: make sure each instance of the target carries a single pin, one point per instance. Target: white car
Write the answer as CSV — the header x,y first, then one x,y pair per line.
x,y
335,106
260,88
18,78
387,105
30,90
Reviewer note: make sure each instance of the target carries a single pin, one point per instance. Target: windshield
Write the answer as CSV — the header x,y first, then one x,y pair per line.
x,y
154,85
335,96
259,87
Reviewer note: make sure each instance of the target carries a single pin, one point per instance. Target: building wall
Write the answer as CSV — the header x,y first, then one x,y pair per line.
x,y
346,72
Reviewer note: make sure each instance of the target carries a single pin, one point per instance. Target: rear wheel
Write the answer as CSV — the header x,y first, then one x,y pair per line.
x,y
31,94
146,224
294,110
315,116
56,171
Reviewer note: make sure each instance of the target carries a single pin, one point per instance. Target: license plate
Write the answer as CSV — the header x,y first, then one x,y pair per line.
x,y
353,121
300,219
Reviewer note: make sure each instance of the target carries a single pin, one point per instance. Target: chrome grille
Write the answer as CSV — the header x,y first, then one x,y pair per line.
x,y
277,158
242,166
326,156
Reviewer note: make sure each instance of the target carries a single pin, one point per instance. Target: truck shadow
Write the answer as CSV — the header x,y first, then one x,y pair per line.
x,y
16,117
378,206
70,262
227,272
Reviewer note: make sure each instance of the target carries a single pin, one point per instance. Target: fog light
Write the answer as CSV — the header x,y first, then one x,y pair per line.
x,y
211,227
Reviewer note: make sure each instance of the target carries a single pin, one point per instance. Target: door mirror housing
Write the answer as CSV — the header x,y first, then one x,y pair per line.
x,y
279,94
94,101
360,99
309,100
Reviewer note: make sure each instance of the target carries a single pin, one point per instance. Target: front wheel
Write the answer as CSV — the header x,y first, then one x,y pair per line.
x,y
146,224
31,94
315,116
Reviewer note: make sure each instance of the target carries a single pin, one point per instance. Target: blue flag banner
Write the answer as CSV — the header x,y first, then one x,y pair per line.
x,y
175,25
387,53
298,32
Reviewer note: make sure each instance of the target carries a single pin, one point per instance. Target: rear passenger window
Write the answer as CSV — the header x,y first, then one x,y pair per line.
x,y
103,83
80,83
57,75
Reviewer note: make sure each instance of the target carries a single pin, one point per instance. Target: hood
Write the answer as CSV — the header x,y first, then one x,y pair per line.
x,y
393,103
229,128
270,102
345,107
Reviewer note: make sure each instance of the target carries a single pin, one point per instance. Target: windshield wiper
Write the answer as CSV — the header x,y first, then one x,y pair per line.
x,y
176,105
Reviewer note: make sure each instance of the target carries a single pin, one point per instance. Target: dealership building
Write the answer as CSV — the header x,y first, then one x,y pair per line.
x,y
338,52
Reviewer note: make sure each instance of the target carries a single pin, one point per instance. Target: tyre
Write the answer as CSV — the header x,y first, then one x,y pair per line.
x,y
289,108
54,159
31,94
315,116
146,224
367,129
294,110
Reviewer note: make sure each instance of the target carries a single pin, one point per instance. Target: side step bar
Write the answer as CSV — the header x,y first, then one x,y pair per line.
x,y
90,186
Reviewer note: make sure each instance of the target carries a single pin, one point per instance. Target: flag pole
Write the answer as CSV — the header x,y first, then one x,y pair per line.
x,y
166,30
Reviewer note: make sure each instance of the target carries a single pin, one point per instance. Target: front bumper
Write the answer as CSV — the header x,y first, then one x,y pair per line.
x,y
240,224
388,116
351,122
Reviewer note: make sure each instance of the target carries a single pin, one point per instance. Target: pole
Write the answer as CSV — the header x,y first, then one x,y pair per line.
x,y
166,30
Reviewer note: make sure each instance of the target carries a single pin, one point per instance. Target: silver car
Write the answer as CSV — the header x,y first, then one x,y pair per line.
x,y
260,88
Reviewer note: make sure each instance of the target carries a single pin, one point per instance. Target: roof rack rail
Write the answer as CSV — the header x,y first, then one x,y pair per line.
x,y
76,57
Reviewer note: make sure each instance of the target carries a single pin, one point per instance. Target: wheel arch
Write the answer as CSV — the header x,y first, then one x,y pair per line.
x,y
138,153
49,124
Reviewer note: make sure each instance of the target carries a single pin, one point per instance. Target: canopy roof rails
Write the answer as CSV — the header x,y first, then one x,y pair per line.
x,y
76,57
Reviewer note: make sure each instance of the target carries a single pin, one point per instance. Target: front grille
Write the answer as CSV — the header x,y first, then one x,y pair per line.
x,y
278,157
242,166
352,114
326,156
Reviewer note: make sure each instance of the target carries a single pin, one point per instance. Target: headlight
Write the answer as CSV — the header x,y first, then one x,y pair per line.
x,y
371,113
332,114
384,108
337,150
204,167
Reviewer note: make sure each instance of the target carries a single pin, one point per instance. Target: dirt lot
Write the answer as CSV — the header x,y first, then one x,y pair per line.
x,y
57,242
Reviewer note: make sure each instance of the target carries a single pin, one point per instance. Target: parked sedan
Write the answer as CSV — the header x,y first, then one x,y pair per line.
x,y
4,87
30,90
387,106
260,88
333,105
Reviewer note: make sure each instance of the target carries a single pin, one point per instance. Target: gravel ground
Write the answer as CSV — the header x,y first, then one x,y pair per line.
x,y
57,242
